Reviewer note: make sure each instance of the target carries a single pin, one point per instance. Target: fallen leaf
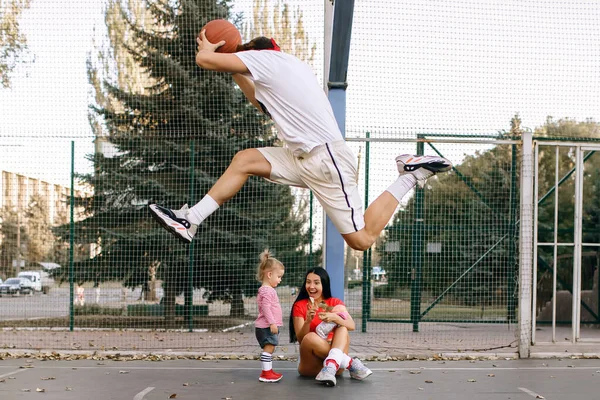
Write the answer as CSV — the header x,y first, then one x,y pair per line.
x,y
186,384
40,390
50,378
415,372
491,375
173,396
539,396
471,380
123,372
421,388
25,390
68,389
428,381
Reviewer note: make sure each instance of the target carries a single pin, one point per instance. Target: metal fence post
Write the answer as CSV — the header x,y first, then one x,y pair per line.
x,y
512,234
189,292
72,239
417,250
526,247
366,284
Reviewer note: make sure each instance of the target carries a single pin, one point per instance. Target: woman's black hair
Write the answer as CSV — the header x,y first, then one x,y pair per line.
x,y
259,43
303,294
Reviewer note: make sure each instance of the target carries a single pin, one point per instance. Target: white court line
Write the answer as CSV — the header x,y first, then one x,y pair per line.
x,y
141,394
391,367
11,373
533,394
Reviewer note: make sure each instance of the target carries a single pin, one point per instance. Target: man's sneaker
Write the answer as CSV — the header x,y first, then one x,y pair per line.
x,y
174,221
327,375
422,167
270,376
358,370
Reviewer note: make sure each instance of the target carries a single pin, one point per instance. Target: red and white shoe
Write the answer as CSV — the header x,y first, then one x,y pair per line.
x,y
270,376
422,167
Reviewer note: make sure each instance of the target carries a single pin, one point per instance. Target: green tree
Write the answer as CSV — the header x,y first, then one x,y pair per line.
x,y
286,26
13,239
13,43
468,213
152,133
473,214
40,236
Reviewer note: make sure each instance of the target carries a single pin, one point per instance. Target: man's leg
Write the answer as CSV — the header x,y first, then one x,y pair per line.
x,y
245,163
413,170
183,223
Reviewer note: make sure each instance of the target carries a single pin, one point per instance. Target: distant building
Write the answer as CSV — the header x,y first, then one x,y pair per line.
x,y
16,191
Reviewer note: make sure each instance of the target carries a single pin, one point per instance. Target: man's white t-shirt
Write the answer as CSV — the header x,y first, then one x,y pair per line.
x,y
290,92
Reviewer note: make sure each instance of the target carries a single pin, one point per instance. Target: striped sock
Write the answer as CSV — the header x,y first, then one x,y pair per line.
x,y
266,360
346,361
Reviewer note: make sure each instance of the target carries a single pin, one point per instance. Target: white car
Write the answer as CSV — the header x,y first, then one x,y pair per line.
x,y
16,286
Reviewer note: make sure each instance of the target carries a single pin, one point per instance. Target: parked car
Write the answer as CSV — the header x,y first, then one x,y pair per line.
x,y
16,286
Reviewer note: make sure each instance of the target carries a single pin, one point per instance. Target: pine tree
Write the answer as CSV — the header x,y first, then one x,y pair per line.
x,y
187,115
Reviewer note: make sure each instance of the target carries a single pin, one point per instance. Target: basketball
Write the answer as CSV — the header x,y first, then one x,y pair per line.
x,y
220,29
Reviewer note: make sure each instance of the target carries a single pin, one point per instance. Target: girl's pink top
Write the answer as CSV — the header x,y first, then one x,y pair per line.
x,y
269,309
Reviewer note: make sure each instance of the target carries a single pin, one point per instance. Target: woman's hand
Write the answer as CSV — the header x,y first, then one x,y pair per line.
x,y
205,45
329,317
310,312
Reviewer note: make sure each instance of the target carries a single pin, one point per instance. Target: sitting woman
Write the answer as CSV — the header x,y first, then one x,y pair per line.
x,y
322,357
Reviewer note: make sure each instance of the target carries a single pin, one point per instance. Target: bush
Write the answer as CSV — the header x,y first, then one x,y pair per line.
x,y
156,310
353,284
96,309
391,292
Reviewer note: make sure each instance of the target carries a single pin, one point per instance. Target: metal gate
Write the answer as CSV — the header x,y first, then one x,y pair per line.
x,y
566,251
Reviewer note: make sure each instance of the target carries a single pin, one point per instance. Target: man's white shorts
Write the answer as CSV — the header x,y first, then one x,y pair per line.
x,y
329,171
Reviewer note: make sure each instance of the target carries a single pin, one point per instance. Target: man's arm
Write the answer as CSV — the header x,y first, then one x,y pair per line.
x,y
207,58
220,62
247,87
223,62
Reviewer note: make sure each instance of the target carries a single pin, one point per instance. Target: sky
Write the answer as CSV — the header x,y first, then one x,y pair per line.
x,y
415,66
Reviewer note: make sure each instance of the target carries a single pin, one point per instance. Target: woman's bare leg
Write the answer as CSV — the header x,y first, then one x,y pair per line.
x,y
313,351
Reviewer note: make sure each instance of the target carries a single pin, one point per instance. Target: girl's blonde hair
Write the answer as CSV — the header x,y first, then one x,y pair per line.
x,y
267,263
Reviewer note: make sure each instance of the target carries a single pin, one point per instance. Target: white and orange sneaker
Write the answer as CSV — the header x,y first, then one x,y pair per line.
x,y
270,376
422,167
175,221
